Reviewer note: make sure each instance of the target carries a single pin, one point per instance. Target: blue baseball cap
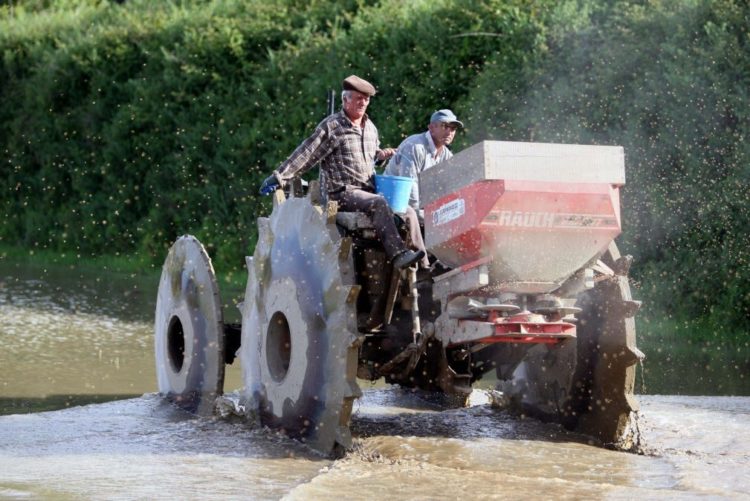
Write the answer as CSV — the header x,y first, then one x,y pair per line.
x,y
446,116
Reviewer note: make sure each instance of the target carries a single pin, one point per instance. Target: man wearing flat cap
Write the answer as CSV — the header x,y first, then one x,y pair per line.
x,y
421,151
346,145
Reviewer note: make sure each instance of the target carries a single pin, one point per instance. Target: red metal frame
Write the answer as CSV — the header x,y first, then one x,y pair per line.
x,y
522,329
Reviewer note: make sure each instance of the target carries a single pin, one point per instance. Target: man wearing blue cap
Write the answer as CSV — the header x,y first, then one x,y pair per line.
x,y
421,151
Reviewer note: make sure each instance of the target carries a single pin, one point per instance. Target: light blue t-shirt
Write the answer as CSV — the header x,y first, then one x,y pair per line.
x,y
415,154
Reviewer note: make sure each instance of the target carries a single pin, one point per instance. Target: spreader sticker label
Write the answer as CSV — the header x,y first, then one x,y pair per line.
x,y
448,212
527,219
550,219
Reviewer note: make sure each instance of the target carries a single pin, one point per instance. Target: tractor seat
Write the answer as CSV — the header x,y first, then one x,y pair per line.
x,y
350,222
354,221
359,224
356,224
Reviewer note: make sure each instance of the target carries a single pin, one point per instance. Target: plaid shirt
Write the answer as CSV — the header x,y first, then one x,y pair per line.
x,y
346,154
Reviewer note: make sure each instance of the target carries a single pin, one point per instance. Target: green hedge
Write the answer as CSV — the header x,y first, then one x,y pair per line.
x,y
124,125
161,119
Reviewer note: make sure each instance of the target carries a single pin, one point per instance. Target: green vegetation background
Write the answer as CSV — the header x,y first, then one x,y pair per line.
x,y
126,124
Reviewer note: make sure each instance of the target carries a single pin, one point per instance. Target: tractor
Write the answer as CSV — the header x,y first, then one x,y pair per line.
x,y
532,295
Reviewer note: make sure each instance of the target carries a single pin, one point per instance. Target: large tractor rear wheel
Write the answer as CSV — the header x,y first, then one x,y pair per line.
x,y
587,383
602,397
189,329
299,331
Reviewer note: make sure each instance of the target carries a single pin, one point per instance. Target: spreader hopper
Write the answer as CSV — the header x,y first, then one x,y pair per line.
x,y
536,212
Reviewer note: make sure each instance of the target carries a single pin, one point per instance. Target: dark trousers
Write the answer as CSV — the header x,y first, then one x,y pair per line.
x,y
415,233
376,207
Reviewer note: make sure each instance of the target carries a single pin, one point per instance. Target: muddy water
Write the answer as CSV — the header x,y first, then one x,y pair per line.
x,y
77,337
73,335
143,448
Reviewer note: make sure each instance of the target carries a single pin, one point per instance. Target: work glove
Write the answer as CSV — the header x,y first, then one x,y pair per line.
x,y
270,184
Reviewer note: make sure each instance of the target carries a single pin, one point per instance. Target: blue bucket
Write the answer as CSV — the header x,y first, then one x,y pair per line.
x,y
395,189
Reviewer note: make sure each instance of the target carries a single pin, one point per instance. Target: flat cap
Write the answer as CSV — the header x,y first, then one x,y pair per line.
x,y
353,82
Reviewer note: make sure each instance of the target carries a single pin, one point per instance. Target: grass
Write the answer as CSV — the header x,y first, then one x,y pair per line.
x,y
26,405
73,260
697,356
133,264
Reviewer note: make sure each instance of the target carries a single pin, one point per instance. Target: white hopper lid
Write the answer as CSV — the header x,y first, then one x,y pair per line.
x,y
508,160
